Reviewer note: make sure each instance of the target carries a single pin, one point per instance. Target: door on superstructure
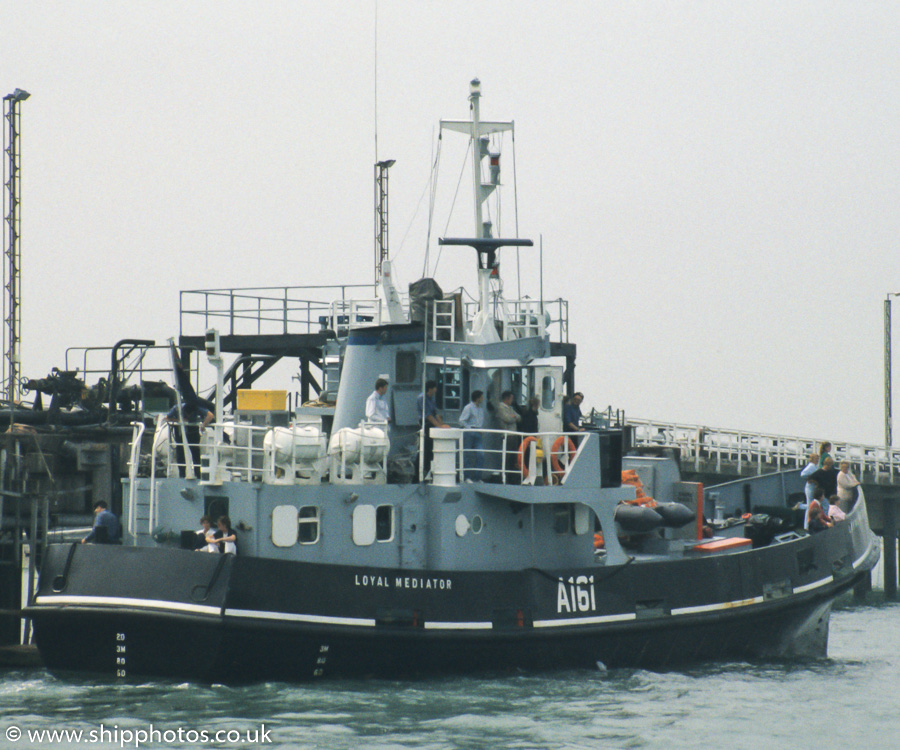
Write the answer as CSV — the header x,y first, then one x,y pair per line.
x,y
548,387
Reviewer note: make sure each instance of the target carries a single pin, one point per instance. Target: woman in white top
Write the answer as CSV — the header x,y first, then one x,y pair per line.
x,y
205,533
225,537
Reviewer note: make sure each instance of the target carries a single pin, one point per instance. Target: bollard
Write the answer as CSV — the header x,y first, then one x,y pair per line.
x,y
446,449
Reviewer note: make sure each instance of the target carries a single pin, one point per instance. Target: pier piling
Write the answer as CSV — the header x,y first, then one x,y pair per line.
x,y
889,540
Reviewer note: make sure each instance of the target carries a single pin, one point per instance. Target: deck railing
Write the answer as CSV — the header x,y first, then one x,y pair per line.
x,y
264,310
710,447
309,309
544,458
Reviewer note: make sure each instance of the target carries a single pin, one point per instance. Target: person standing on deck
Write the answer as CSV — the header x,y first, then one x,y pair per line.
x,y
810,467
377,409
472,419
826,478
509,417
846,484
530,417
572,414
429,417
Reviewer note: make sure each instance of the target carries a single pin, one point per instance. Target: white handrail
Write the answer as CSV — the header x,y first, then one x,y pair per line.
x,y
759,449
136,435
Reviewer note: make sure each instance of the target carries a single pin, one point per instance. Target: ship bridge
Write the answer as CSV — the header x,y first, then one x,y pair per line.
x,y
262,325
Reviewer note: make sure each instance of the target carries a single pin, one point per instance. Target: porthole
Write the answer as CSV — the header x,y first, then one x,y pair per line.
x,y
477,524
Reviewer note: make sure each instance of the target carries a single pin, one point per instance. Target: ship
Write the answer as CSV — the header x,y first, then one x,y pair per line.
x,y
402,546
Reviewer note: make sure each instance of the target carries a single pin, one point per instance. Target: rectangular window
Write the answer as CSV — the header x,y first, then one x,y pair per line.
x,y
308,524
405,367
562,519
384,523
521,385
449,383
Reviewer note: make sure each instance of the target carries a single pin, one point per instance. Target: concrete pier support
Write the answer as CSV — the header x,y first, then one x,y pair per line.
x,y
889,550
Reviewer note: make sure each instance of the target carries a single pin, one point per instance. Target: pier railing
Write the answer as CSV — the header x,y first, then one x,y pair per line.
x,y
711,448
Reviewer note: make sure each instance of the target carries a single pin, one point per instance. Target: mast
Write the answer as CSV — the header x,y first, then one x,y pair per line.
x,y
479,132
383,276
12,279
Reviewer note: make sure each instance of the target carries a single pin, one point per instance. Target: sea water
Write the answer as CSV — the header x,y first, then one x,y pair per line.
x,y
850,701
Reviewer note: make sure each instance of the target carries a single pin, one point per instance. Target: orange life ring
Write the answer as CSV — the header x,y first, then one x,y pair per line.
x,y
520,459
555,452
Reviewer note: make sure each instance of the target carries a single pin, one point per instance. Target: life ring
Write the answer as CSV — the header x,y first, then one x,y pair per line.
x,y
520,459
558,470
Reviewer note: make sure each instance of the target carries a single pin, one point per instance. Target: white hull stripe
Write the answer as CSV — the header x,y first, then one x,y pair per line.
x,y
584,620
154,604
122,601
717,607
289,617
813,585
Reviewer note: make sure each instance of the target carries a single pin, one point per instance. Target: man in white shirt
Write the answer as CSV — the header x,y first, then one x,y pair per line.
x,y
472,419
377,409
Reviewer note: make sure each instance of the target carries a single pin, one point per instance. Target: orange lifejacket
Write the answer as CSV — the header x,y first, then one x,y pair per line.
x,y
631,478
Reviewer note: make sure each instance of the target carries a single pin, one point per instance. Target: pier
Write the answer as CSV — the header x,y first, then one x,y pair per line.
x,y
715,455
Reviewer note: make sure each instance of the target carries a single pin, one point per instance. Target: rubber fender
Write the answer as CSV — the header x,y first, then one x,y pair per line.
x,y
675,515
637,518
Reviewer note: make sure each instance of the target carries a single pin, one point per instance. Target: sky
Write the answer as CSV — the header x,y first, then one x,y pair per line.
x,y
715,185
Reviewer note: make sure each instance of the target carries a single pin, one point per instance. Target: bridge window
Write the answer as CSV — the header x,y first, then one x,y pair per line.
x,y
548,392
521,385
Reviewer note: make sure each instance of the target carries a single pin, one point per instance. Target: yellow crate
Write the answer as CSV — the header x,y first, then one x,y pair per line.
x,y
254,400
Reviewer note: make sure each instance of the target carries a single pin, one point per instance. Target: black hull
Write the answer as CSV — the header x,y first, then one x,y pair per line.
x,y
172,647
213,618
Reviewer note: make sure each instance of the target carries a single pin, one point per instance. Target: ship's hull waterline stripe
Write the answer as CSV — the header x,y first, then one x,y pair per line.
x,y
584,620
122,601
111,601
717,607
290,617
813,585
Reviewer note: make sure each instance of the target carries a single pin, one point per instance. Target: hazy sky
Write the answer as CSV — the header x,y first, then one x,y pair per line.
x,y
717,184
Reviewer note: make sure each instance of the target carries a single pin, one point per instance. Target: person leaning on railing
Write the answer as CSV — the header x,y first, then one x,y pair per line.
x,y
572,414
472,419
846,484
426,407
